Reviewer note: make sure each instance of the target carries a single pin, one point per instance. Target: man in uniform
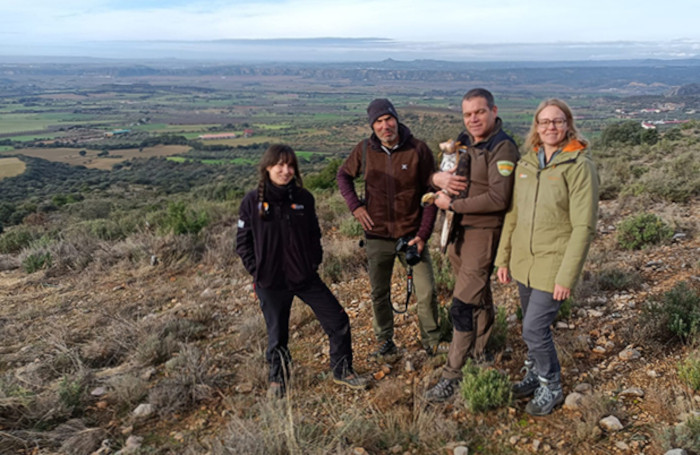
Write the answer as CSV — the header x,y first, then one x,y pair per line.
x,y
478,191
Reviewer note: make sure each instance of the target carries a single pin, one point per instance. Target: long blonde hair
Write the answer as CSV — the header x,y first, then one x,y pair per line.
x,y
533,142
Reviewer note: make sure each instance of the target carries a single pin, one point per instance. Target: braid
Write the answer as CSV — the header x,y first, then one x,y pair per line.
x,y
261,198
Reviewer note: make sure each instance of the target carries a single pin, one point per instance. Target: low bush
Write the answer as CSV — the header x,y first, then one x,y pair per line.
x,y
689,372
685,436
484,389
36,261
15,240
643,230
180,219
499,332
616,279
675,314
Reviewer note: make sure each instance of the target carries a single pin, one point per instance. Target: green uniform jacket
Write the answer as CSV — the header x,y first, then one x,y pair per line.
x,y
552,220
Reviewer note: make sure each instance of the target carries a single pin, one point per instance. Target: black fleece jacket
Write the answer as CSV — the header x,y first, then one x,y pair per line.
x,y
282,249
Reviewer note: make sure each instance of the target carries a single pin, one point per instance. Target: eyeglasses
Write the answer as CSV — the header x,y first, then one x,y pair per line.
x,y
558,123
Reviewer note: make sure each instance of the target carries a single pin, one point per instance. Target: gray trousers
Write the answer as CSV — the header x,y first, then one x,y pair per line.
x,y
539,311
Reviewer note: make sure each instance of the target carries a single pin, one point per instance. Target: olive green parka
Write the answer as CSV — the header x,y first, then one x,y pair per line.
x,y
552,219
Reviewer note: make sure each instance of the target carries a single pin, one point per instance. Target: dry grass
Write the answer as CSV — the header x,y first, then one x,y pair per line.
x,y
10,167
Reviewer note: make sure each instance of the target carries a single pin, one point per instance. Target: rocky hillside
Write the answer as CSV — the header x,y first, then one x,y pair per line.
x,y
167,356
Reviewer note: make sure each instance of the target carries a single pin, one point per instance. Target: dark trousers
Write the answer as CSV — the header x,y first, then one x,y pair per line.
x,y
539,311
276,305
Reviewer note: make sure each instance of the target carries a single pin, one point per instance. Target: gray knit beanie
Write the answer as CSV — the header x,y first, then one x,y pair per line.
x,y
379,107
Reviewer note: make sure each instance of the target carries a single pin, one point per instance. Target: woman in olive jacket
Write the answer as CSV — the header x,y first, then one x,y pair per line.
x,y
279,242
545,240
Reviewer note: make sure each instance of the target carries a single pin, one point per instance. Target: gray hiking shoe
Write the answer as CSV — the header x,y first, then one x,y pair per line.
x,y
547,397
352,380
441,391
529,383
386,348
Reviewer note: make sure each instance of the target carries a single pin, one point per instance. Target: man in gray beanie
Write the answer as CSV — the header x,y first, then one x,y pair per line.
x,y
396,168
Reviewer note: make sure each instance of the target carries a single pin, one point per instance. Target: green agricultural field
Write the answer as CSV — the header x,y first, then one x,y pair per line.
x,y
10,167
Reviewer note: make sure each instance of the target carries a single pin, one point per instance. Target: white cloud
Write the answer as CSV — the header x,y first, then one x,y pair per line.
x,y
456,21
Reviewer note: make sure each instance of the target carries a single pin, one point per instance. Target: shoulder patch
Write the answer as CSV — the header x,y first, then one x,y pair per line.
x,y
241,224
505,168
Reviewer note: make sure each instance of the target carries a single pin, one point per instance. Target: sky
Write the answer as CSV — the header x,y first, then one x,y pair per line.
x,y
388,28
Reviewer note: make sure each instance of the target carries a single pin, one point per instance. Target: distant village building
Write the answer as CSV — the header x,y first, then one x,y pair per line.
x,y
115,132
648,125
247,133
209,137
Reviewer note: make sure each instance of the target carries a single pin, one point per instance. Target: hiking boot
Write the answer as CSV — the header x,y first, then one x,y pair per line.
x,y
547,396
529,383
440,348
275,391
441,391
386,348
352,380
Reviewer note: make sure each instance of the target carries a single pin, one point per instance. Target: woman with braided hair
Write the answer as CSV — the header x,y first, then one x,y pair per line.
x,y
279,242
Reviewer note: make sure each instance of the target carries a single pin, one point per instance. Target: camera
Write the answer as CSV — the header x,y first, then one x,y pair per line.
x,y
412,255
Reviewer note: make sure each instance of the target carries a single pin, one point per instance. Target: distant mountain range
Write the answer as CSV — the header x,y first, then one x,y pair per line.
x,y
362,50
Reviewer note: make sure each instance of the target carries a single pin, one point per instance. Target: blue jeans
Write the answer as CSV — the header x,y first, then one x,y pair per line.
x,y
539,311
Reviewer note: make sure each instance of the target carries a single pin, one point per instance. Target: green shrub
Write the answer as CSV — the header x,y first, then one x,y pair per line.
x,y
619,280
36,261
182,220
442,269
324,179
675,314
499,332
445,323
689,372
484,389
70,392
685,435
15,240
350,227
640,231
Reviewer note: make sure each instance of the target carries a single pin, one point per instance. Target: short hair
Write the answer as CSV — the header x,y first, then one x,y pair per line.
x,y
533,141
480,93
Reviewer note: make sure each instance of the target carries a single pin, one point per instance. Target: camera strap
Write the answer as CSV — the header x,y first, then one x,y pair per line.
x,y
409,290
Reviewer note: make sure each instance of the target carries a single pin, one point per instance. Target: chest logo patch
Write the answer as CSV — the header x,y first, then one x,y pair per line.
x,y
241,224
404,167
505,168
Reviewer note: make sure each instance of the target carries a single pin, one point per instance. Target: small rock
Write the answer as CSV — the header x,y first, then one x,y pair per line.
x,y
573,401
514,440
611,423
460,450
584,387
622,445
629,354
562,325
359,451
595,313
599,350
98,392
536,445
676,452
148,374
154,260
679,236
633,392
246,387
208,294
143,410
652,373
409,367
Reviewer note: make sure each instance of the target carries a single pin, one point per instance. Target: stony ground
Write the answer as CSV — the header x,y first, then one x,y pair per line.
x,y
607,361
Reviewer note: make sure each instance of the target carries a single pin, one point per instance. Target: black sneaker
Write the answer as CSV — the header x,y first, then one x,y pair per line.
x,y
529,383
386,348
441,391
